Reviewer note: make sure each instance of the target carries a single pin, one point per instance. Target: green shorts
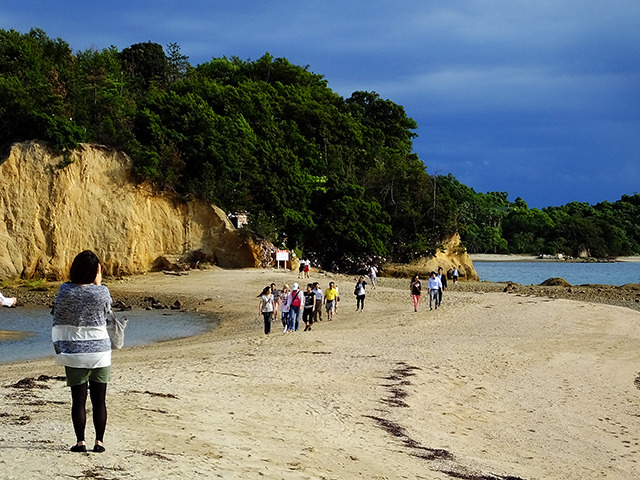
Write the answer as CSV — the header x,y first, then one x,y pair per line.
x,y
78,376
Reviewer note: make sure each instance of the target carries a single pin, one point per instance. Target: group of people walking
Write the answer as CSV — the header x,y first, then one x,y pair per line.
x,y
436,285
296,306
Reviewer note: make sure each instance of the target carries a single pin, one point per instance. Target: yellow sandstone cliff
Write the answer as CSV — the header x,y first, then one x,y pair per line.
x,y
50,212
453,256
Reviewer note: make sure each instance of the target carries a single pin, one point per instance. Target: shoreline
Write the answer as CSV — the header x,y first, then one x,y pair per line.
x,y
496,257
620,295
514,385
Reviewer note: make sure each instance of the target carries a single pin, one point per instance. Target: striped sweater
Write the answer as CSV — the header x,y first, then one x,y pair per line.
x,y
79,332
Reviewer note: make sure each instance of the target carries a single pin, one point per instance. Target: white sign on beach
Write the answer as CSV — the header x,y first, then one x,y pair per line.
x,y
282,255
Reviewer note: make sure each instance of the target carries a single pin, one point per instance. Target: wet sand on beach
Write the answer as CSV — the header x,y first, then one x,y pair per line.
x,y
490,386
13,335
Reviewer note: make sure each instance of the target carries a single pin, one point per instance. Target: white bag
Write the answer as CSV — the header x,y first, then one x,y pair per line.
x,y
115,328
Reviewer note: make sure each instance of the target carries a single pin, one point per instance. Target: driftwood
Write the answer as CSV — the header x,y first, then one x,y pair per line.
x,y
169,272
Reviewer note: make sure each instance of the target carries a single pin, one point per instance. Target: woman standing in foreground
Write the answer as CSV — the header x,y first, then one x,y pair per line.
x,y
82,344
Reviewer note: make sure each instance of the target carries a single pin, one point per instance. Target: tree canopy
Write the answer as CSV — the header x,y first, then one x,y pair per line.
x,y
489,223
335,177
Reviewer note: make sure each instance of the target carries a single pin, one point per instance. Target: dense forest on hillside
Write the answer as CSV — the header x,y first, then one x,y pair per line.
x,y
333,177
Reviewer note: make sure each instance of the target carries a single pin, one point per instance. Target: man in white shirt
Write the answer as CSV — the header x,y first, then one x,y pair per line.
x,y
319,300
434,285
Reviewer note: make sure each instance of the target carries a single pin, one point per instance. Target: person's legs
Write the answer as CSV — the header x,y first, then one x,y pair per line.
x,y
79,411
416,301
360,302
267,322
292,313
98,393
329,307
294,322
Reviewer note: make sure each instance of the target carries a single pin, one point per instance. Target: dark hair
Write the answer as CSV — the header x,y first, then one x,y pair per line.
x,y
266,290
84,268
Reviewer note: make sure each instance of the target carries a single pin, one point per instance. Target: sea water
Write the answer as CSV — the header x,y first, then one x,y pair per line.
x,y
528,273
29,329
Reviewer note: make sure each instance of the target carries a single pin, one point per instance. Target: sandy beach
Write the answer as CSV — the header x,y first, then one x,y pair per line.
x,y
490,386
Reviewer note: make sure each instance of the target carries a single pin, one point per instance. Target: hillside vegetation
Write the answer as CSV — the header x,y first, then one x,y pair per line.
x,y
330,176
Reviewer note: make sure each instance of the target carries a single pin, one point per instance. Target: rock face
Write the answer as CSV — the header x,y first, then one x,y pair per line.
x,y
452,256
555,282
52,209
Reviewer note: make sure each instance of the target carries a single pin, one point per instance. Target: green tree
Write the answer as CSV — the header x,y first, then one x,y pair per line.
x,y
34,97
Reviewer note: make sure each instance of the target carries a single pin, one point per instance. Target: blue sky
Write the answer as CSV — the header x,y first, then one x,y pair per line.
x,y
539,99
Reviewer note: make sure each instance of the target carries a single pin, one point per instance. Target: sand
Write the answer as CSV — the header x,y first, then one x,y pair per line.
x,y
490,386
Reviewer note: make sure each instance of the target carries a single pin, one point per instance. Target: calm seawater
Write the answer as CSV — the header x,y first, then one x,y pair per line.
x,y
527,273
144,327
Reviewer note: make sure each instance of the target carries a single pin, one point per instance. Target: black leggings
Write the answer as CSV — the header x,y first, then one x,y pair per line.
x,y
267,322
98,393
360,302
307,316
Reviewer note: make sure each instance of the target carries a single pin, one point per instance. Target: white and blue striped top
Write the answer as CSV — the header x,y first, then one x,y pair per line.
x,y
79,332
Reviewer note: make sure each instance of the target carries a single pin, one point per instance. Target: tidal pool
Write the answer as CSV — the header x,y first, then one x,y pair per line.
x,y
25,332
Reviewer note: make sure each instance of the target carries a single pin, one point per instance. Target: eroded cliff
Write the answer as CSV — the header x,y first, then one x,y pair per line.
x,y
452,256
51,210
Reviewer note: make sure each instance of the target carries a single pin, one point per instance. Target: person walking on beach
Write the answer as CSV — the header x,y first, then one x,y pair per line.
x,y
266,307
360,293
285,306
277,297
317,316
81,341
443,280
8,301
455,275
294,308
373,274
307,268
434,285
416,290
330,297
309,307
